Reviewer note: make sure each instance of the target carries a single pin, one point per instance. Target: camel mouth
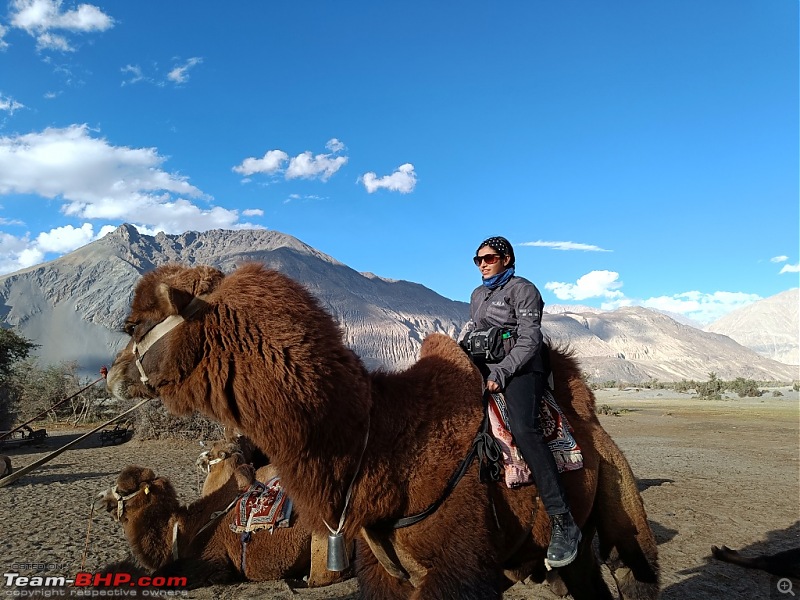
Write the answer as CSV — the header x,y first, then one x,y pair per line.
x,y
104,500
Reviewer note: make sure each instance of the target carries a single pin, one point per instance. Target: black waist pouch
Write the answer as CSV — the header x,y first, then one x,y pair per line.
x,y
488,345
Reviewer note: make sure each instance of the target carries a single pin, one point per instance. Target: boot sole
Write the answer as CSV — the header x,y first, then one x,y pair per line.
x,y
555,564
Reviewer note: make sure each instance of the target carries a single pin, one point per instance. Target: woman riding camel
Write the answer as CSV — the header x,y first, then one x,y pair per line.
x,y
513,307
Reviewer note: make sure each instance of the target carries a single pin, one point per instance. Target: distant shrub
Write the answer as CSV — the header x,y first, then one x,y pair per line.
x,y
711,389
745,388
777,393
153,422
605,409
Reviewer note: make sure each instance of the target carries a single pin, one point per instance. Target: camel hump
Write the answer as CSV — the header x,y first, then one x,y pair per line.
x,y
438,344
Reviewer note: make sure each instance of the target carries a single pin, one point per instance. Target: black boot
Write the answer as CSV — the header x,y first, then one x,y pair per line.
x,y
564,540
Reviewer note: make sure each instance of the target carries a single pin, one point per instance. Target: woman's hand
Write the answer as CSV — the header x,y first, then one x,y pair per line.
x,y
492,386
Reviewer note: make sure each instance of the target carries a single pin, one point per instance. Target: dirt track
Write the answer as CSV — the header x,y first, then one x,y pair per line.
x,y
711,472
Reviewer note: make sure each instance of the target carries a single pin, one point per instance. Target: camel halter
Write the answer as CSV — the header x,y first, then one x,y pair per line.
x,y
160,330
121,500
209,463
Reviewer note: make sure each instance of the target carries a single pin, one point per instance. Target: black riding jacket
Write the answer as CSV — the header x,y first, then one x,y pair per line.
x,y
517,306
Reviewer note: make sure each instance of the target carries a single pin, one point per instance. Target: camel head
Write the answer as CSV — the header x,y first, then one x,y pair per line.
x,y
136,489
221,462
220,451
163,299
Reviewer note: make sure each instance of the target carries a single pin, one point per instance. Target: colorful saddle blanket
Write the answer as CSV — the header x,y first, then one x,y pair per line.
x,y
263,506
557,433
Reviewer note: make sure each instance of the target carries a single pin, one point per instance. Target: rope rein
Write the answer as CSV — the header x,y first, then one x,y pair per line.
x,y
350,488
86,543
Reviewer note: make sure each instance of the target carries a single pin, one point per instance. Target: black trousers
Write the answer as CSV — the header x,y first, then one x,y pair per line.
x,y
523,394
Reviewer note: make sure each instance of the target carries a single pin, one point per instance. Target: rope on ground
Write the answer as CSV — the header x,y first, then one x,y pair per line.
x,y
103,373
8,479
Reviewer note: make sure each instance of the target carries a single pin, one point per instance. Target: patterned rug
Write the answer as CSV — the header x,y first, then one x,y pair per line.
x,y
263,506
557,433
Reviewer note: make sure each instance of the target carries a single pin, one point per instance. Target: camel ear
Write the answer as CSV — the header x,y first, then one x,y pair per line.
x,y
172,300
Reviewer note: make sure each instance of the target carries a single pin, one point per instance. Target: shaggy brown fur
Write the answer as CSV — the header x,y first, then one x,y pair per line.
x,y
262,356
219,473
211,556
781,564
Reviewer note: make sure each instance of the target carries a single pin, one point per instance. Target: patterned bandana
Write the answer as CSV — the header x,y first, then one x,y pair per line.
x,y
501,245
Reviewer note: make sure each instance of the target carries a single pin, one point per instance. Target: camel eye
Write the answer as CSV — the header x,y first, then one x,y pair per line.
x,y
129,327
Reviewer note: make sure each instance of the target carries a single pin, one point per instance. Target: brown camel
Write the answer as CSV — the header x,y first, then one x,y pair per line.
x,y
219,464
780,564
221,461
188,540
255,351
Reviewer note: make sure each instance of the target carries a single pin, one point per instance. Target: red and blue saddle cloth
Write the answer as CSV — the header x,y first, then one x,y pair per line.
x,y
262,506
555,428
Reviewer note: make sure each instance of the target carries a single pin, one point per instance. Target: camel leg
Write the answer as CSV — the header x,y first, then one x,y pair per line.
x,y
622,525
375,582
458,581
583,577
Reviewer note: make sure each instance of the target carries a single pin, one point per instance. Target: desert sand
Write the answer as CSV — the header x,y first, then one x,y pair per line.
x,y
711,473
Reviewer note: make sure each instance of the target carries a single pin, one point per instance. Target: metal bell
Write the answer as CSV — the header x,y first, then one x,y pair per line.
x,y
337,553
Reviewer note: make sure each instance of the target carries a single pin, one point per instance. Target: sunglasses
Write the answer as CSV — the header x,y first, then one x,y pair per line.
x,y
489,259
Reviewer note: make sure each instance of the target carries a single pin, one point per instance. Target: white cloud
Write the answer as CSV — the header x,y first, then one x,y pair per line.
x,y
252,212
779,259
83,170
53,41
595,284
700,306
40,18
334,145
3,43
272,162
180,73
65,239
403,180
790,269
303,166
306,166
565,246
135,72
20,252
96,180
9,105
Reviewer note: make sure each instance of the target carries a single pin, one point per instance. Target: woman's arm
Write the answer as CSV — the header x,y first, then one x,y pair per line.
x,y
527,304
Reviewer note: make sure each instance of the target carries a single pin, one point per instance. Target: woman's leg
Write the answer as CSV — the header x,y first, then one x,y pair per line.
x,y
523,394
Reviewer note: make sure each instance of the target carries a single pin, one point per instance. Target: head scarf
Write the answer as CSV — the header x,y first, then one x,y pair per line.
x,y
501,245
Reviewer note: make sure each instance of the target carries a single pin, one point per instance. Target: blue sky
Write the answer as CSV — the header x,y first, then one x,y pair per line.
x,y
633,152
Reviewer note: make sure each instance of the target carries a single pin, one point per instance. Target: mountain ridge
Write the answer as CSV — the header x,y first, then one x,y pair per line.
x,y
74,307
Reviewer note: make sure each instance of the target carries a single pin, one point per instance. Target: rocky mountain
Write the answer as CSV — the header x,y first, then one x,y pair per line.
x,y
636,344
770,327
73,307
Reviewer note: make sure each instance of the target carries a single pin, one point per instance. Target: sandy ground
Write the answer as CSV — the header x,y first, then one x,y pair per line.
x,y
711,472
